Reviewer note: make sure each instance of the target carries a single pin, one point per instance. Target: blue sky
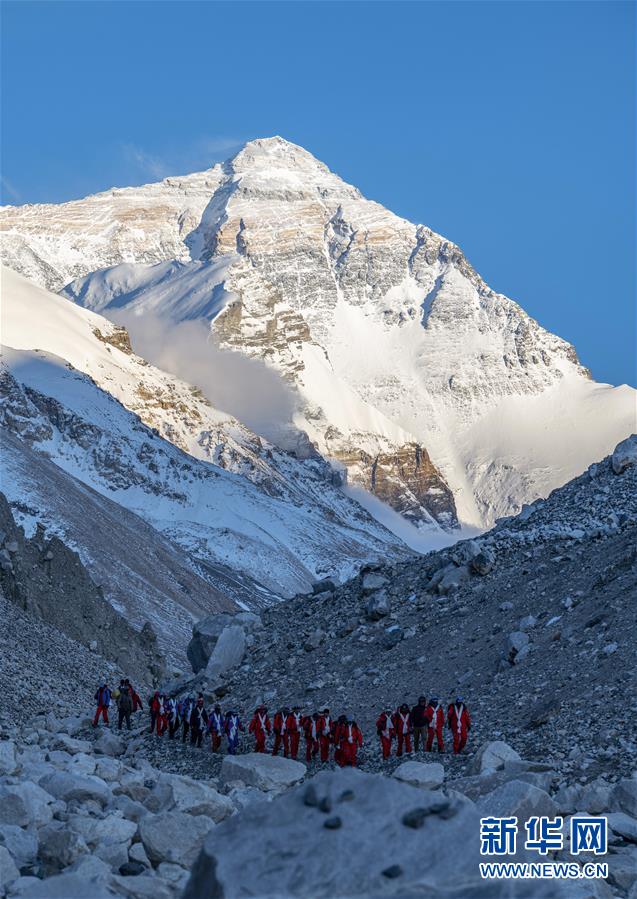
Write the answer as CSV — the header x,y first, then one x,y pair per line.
x,y
509,127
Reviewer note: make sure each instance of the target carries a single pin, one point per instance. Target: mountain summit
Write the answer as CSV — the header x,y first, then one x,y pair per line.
x,y
414,378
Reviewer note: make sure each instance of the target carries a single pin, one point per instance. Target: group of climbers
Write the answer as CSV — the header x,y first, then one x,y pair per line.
x,y
425,722
320,731
126,698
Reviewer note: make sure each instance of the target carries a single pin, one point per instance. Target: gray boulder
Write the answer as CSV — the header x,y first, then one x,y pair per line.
x,y
21,843
428,775
378,606
452,578
373,581
66,786
266,772
66,886
517,798
205,634
482,563
184,794
228,651
376,826
624,825
492,756
59,846
174,836
625,454
109,744
8,870
327,585
7,757
25,804
624,797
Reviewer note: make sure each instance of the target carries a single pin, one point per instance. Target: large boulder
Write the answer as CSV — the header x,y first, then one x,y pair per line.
x,y
624,797
266,772
66,786
21,843
421,774
25,804
184,794
8,870
517,798
109,744
347,833
373,581
66,886
228,651
207,632
174,836
378,605
625,454
492,756
7,757
59,846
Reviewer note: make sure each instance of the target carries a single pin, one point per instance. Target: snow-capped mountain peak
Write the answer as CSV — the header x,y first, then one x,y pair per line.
x,y
433,391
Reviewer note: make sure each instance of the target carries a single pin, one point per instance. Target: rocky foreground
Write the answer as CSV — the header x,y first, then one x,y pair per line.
x,y
83,814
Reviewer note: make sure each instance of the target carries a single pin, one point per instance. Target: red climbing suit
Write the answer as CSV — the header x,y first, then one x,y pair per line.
x,y
326,734
386,731
402,723
436,716
348,739
459,722
293,724
260,726
281,735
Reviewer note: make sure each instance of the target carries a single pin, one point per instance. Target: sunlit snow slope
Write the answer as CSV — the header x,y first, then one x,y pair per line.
x,y
74,392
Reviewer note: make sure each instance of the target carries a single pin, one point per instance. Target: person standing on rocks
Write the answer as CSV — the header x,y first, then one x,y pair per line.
x,y
293,727
260,726
386,732
326,734
103,700
232,727
172,717
349,739
124,706
420,723
154,704
281,735
311,729
402,724
459,723
436,716
216,728
184,709
198,722
137,702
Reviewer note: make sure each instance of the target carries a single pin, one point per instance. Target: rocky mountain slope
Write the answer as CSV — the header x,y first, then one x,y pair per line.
x,y
534,624
428,387
42,576
255,522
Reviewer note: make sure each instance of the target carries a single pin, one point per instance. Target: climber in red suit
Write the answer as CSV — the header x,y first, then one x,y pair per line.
x,y
402,723
386,731
293,725
260,726
349,739
312,732
436,716
326,734
459,723
281,737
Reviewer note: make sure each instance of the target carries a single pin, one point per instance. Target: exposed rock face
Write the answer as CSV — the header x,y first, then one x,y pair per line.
x,y
44,577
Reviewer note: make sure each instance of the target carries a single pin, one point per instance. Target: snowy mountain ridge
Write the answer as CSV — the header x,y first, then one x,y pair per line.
x,y
74,392
434,392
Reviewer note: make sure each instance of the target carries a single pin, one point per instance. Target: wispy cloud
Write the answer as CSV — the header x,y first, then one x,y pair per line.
x,y
146,164
9,189
201,153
